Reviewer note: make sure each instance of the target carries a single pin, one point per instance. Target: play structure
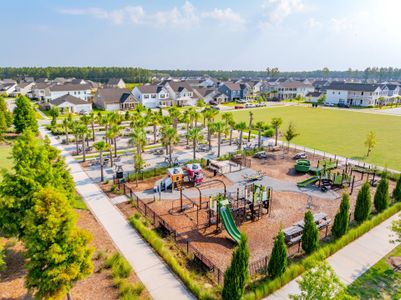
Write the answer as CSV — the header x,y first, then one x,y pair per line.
x,y
190,173
322,174
248,204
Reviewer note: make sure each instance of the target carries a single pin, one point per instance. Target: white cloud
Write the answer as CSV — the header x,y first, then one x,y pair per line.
x,y
313,23
339,25
183,17
278,10
226,16
133,14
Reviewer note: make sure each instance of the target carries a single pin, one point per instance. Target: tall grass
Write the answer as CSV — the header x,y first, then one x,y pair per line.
x,y
159,245
269,286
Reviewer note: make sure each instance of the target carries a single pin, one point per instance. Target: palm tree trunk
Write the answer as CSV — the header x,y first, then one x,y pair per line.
x,y
240,140
115,147
259,137
83,149
194,144
111,157
154,134
76,143
231,136
93,131
186,136
170,154
218,144
276,132
196,122
69,296
66,136
101,166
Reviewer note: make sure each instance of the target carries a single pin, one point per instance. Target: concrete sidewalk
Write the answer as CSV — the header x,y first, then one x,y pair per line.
x,y
354,259
157,277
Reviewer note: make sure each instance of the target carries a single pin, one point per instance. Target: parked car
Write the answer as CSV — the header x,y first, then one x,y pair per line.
x,y
250,105
241,101
343,105
301,155
239,107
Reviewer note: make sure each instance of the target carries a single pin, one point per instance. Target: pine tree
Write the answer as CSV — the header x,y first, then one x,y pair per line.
x,y
341,220
310,236
236,275
35,165
278,260
382,198
397,190
58,252
24,115
363,203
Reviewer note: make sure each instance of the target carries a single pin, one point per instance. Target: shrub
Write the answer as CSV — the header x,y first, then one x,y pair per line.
x,y
363,203
119,266
113,188
310,236
382,198
341,220
236,275
278,260
397,190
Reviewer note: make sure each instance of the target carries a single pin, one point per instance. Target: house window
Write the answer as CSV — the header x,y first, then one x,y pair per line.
x,y
146,96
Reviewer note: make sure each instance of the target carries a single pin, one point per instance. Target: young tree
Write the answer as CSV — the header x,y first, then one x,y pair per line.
x,y
310,236
196,136
236,275
322,99
250,125
54,113
170,138
320,283
59,253
276,123
101,146
341,220
363,203
219,128
241,126
260,126
278,260
397,190
290,134
24,115
382,198
370,142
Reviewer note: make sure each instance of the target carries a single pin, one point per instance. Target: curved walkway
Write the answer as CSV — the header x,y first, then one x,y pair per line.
x,y
158,279
354,259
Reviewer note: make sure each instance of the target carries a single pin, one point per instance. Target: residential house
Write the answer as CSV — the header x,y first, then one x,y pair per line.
x,y
232,90
181,93
220,97
112,99
356,94
313,96
7,88
23,88
40,91
206,93
293,89
115,83
69,103
152,96
82,91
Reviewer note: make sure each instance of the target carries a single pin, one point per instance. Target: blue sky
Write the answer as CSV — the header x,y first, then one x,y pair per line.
x,y
203,34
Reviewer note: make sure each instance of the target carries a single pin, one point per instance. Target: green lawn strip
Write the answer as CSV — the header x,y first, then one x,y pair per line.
x,y
379,282
268,286
160,246
79,157
340,132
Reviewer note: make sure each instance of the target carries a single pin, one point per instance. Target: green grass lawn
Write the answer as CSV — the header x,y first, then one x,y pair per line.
x,y
339,132
5,160
379,282
131,86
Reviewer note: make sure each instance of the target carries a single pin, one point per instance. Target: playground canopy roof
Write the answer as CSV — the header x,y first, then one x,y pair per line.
x,y
175,171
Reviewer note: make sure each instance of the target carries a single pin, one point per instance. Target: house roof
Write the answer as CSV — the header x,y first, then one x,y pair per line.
x,y
114,81
350,86
150,89
178,86
203,91
24,84
41,85
67,98
70,87
294,84
314,94
114,95
232,85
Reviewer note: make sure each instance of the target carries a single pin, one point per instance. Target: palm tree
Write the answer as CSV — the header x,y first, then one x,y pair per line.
x,y
260,126
174,113
138,140
101,146
219,128
195,115
86,120
186,118
276,123
241,126
54,112
195,134
66,125
210,132
227,117
92,119
116,130
232,124
82,132
155,119
110,135
250,125
170,137
76,132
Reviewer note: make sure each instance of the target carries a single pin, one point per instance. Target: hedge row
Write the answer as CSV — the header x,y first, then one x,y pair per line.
x,y
159,245
294,270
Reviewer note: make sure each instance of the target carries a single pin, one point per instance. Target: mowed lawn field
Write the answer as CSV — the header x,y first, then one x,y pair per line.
x,y
339,132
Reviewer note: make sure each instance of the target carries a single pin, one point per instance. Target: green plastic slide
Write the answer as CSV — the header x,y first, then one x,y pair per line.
x,y
308,181
229,223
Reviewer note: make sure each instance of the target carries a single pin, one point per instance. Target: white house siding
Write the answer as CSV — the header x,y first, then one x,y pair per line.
x,y
112,107
336,96
83,94
75,108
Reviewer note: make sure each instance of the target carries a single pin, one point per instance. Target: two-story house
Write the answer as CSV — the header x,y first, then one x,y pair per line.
x,y
115,83
232,90
82,91
23,88
152,96
354,94
181,93
112,99
293,89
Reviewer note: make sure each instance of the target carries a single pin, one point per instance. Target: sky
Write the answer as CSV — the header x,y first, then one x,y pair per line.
x,y
293,35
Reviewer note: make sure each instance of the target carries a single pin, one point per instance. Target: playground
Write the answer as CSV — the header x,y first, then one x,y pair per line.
x,y
206,208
